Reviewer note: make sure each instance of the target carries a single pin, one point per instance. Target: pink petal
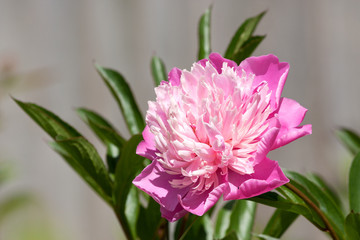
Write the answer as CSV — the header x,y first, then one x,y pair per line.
x,y
155,181
203,62
174,76
269,69
217,61
174,215
146,148
290,114
267,141
267,176
197,203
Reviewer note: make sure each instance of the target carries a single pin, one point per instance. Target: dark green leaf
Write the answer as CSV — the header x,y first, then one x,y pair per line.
x,y
106,133
84,159
352,226
149,220
318,180
204,34
354,184
279,222
48,121
323,201
350,139
296,206
128,166
242,35
199,228
247,49
242,219
158,70
223,220
132,209
124,97
231,236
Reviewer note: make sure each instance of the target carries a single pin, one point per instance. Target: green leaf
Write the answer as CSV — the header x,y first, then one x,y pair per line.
x,y
296,206
352,226
231,236
204,35
242,219
14,203
350,139
326,188
158,70
84,159
128,166
247,49
242,35
223,219
149,220
124,97
48,121
132,209
106,133
323,201
265,237
279,222
354,184
199,228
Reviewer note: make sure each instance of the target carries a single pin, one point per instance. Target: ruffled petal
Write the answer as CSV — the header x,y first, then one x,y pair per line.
x,y
290,115
267,68
155,181
267,176
146,148
267,141
217,61
174,215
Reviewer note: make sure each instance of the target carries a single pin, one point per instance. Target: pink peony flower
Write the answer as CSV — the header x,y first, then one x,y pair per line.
x,y
210,129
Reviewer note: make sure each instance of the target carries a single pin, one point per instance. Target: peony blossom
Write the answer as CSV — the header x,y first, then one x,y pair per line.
x,y
210,129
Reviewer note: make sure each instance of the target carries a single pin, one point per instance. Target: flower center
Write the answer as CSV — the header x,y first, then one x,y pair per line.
x,y
209,124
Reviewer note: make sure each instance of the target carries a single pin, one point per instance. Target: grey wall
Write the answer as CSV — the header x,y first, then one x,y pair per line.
x,y
318,38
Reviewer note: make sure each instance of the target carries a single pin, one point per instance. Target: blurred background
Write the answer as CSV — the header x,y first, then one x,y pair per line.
x,y
47,50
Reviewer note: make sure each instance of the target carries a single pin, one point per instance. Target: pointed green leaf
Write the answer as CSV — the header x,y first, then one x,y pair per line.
x,y
352,226
242,35
265,237
48,121
279,222
124,97
350,139
106,133
223,220
242,219
149,220
354,184
247,49
84,159
128,166
132,209
199,228
204,34
322,200
326,188
158,70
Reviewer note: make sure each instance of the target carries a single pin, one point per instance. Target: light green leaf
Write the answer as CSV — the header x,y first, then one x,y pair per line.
x,y
48,121
158,70
265,237
242,219
350,139
84,159
204,34
279,222
124,97
223,220
128,166
242,35
352,226
354,184
14,203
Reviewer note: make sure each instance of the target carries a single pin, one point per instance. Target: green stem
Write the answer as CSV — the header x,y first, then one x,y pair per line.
x,y
122,225
329,228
